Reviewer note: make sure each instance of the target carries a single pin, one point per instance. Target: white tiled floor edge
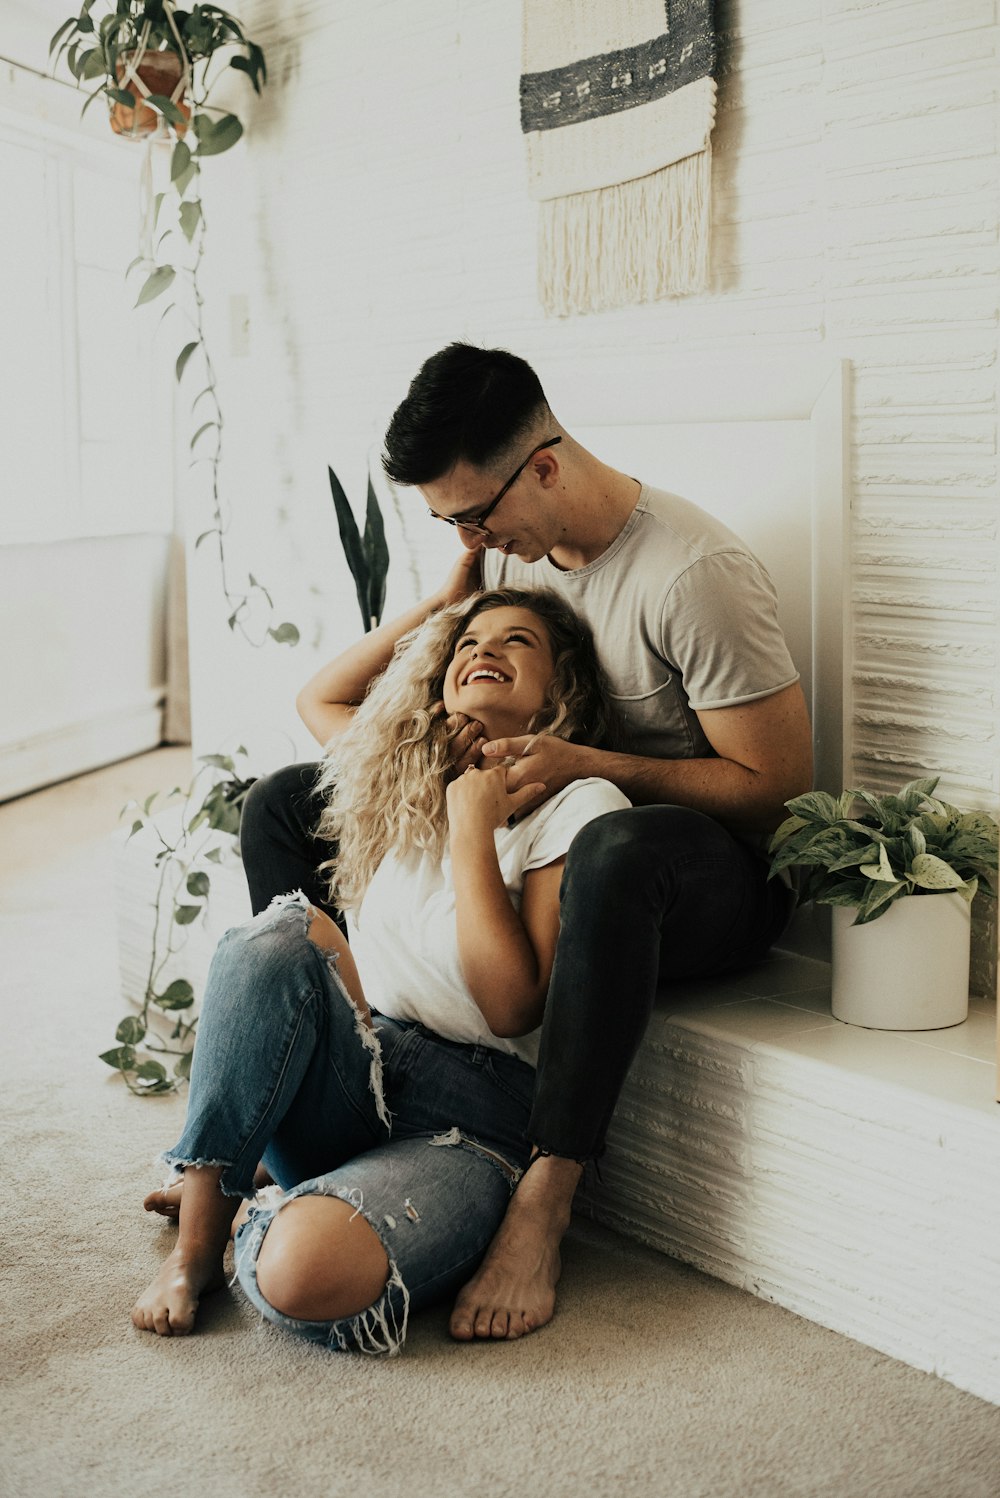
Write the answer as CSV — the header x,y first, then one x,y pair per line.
x,y
850,1175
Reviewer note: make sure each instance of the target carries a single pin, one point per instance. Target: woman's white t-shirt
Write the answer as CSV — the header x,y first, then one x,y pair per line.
x,y
404,936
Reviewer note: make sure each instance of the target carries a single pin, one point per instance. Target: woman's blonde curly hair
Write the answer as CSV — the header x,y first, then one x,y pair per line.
x,y
384,778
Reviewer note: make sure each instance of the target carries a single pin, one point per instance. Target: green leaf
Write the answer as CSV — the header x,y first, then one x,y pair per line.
x,y
878,899
285,634
216,136
179,995
57,36
185,914
214,855
180,160
156,284
137,826
376,555
184,178
815,806
353,549
218,761
131,1030
122,96
196,821
190,216
198,884
157,205
167,108
182,1068
204,535
151,1071
882,870
122,1058
91,64
931,872
184,356
201,430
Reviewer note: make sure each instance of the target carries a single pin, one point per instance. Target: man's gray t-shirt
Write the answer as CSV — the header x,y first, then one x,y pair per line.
x,y
685,619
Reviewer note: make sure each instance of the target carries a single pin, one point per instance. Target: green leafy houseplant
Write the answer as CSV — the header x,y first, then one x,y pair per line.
x,y
867,851
151,60
184,860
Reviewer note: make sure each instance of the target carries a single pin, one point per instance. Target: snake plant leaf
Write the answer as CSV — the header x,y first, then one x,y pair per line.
x,y
377,555
354,549
931,872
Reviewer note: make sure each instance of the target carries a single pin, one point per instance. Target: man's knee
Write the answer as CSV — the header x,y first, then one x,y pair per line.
x,y
271,798
640,837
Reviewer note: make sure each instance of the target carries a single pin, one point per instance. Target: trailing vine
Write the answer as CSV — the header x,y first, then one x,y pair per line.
x,y
114,51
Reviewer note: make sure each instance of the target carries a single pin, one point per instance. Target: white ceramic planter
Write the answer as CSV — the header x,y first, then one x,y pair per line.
x,y
906,970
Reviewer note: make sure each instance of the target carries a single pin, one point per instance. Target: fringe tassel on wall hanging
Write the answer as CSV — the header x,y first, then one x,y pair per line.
x,y
617,106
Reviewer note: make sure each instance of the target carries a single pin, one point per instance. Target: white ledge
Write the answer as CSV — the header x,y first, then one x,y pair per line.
x,y
850,1175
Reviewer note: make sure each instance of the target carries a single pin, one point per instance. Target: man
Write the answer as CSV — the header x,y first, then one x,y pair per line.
x,y
717,734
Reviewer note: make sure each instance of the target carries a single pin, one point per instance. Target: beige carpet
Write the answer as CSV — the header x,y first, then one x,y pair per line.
x,y
653,1380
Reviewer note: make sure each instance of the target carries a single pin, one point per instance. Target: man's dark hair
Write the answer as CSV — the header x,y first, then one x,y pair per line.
x,y
464,403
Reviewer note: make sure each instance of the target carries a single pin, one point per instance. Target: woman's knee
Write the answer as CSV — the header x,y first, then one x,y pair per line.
x,y
321,1261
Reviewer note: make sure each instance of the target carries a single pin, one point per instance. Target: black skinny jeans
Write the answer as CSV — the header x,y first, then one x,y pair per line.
x,y
650,895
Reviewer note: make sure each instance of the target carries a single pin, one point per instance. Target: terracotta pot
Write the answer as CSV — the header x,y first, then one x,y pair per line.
x,y
906,970
160,72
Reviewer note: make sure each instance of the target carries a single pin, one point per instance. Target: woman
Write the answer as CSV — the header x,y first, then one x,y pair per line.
x,y
391,1112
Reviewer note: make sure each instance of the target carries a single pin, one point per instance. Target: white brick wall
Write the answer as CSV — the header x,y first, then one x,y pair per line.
x,y
379,210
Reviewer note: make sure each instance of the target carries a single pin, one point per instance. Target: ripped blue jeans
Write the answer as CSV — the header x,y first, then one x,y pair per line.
x,y
424,1136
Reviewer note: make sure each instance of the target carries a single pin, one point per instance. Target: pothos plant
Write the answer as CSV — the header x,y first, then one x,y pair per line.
x,y
185,881
184,859
132,42
867,851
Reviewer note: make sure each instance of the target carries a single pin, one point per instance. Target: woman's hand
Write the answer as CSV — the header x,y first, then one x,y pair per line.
x,y
463,579
479,801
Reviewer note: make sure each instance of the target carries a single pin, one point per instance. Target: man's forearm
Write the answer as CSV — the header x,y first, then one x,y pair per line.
x,y
745,800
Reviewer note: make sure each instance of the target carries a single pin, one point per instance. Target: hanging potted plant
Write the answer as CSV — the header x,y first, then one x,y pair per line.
x,y
144,54
151,61
901,872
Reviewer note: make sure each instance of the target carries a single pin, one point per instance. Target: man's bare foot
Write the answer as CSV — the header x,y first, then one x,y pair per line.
x,y
168,1306
514,1290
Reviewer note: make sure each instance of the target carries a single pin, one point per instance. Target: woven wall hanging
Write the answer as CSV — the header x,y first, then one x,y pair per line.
x,y
617,107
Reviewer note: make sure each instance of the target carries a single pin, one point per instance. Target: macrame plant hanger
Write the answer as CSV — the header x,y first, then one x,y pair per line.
x,y
131,81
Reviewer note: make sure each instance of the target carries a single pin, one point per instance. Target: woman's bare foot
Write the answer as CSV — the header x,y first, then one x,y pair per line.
x,y
169,1304
514,1290
166,1200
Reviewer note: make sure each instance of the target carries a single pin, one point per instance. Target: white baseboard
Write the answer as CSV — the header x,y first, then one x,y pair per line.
x,y
42,759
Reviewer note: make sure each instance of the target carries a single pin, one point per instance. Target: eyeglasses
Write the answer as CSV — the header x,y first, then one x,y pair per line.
x,y
475,523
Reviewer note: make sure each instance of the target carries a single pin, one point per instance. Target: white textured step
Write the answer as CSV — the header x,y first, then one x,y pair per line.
x,y
850,1175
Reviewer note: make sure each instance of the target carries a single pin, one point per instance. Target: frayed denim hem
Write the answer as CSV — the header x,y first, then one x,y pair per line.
x,y
380,1330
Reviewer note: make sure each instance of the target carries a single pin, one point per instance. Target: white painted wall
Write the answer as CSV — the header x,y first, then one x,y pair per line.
x,y
378,209
86,481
